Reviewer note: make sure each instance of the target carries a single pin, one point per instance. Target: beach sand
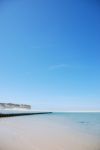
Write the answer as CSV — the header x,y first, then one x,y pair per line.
x,y
42,133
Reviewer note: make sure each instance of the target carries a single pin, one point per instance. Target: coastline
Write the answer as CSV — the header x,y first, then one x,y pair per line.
x,y
42,132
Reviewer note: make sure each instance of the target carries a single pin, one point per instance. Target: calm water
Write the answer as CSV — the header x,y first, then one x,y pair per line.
x,y
55,131
87,122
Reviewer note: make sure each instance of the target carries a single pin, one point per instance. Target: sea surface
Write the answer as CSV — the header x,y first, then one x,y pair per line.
x,y
55,131
88,122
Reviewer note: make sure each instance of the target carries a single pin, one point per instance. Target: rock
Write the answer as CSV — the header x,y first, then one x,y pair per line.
x,y
12,106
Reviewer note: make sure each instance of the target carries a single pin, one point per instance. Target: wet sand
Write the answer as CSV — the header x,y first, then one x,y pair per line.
x,y
43,133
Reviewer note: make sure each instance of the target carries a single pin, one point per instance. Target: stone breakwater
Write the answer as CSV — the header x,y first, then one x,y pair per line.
x,y
22,114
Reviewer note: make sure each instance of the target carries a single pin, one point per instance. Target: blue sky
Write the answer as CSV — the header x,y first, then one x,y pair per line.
x,y
50,54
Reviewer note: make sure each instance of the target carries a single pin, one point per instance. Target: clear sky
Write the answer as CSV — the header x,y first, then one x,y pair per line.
x,y
50,53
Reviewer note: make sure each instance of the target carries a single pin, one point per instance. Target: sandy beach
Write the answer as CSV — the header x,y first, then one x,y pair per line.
x,y
42,133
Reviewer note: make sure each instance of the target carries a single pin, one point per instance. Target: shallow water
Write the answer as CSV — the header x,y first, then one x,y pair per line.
x,y
86,122
56,131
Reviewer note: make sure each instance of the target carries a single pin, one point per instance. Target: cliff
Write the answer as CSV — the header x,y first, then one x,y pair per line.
x,y
14,106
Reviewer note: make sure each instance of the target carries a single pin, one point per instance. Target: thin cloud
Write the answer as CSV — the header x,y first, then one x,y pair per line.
x,y
67,66
61,66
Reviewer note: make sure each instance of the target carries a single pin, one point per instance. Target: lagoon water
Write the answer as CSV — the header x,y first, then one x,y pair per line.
x,y
56,131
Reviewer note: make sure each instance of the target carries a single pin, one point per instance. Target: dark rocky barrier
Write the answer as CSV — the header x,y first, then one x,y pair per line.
x,y
22,114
